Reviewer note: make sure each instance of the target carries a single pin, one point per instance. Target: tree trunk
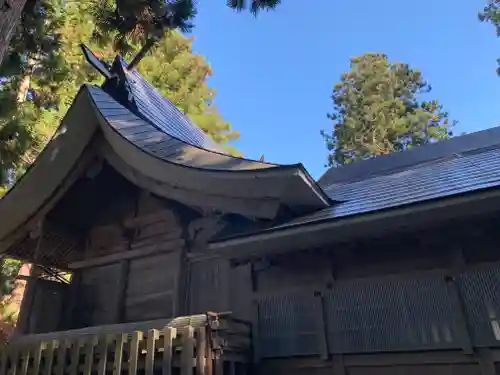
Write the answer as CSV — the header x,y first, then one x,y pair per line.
x,y
10,16
24,87
11,305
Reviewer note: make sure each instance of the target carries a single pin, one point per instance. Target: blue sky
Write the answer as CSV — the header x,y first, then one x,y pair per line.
x,y
274,74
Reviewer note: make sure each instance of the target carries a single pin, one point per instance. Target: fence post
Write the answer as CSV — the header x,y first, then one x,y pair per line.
x,y
201,344
120,340
75,357
169,334
103,354
89,355
49,356
37,357
134,352
187,351
151,350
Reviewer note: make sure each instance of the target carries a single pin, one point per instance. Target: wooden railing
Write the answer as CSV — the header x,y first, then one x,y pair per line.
x,y
208,344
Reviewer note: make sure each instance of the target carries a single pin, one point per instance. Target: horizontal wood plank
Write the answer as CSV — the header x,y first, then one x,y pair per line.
x,y
131,254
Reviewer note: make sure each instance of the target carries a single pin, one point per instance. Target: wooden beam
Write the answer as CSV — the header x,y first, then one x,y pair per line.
x,y
131,254
251,207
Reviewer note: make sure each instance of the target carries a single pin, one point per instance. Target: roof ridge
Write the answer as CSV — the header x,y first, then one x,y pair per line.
x,y
382,165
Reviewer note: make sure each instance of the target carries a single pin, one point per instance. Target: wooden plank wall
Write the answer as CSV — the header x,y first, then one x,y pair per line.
x,y
215,285
43,305
209,286
152,282
152,286
98,295
132,268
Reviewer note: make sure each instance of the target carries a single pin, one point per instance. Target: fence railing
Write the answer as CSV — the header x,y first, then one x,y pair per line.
x,y
206,344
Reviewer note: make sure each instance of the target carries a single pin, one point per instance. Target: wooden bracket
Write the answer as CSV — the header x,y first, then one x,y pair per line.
x,y
200,231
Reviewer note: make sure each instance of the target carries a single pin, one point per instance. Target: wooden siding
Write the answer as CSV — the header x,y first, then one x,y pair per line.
x,y
98,295
152,286
215,285
152,281
108,234
292,270
240,292
209,286
42,306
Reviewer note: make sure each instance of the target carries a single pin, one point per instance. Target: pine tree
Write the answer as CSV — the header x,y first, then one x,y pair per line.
x,y
491,14
45,68
377,111
182,77
146,22
28,92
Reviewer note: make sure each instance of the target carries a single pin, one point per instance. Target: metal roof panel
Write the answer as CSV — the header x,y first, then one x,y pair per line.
x,y
460,175
164,115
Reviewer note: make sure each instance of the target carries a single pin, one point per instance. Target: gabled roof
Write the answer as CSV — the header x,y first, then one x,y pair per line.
x,y
163,114
155,146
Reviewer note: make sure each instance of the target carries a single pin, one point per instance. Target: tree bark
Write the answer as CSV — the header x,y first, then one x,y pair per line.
x,y
24,87
10,16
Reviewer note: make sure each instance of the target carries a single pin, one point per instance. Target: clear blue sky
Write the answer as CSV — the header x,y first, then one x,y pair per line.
x,y
274,74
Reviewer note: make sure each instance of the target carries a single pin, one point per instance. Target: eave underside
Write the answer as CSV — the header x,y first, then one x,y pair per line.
x,y
95,129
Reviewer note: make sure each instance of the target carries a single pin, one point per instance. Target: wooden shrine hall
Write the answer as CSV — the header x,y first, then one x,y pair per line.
x,y
186,260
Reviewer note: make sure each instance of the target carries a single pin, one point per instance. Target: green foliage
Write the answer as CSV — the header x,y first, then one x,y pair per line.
x,y
8,273
377,111
31,75
182,77
126,22
491,14
46,61
255,6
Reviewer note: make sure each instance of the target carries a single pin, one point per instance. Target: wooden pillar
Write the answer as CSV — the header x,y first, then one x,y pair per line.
x,y
68,319
22,326
27,315
457,264
122,291
459,315
321,326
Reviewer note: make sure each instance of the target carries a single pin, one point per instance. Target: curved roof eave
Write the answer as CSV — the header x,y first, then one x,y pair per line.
x,y
169,160
155,154
51,173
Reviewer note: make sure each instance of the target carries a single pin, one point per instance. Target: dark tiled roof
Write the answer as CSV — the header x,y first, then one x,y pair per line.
x,y
163,114
419,156
160,143
453,176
